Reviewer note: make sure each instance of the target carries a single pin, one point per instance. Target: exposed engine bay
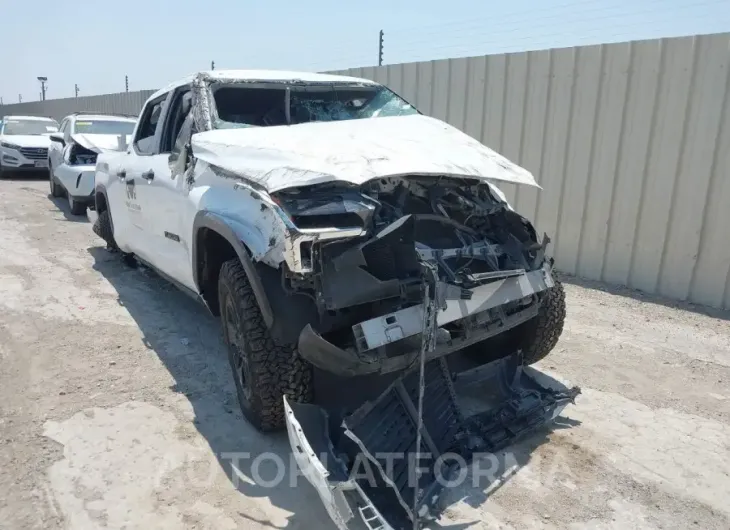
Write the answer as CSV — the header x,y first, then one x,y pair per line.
x,y
81,156
488,268
463,226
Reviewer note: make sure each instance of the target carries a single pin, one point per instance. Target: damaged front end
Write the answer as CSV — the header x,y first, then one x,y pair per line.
x,y
490,269
446,265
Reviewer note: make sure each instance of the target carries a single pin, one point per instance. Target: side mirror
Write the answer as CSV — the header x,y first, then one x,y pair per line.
x,y
57,137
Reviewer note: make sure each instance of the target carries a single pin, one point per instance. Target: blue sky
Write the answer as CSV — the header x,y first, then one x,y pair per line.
x,y
96,42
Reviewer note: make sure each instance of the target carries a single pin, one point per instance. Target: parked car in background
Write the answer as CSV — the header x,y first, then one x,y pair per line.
x,y
73,151
24,143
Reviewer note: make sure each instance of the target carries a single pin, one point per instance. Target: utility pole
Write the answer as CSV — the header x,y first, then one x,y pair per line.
x,y
20,98
76,90
43,81
126,83
380,48
212,65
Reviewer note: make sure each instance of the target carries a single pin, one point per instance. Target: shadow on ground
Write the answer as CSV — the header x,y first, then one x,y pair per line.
x,y
62,205
642,296
187,340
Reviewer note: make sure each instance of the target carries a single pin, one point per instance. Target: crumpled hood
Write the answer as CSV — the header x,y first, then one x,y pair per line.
x,y
354,151
27,140
99,142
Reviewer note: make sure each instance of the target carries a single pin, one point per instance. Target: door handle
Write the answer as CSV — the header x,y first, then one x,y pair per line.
x,y
148,175
122,173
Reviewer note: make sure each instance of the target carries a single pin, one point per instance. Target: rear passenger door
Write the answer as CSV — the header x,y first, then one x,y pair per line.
x,y
128,181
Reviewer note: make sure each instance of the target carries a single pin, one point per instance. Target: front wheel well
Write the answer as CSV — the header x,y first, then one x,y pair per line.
x,y
213,251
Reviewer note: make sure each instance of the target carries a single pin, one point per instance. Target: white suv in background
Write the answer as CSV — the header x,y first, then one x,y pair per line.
x,y
73,152
24,143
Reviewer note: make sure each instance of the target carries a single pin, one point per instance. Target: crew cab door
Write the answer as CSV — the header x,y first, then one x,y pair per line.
x,y
130,177
163,197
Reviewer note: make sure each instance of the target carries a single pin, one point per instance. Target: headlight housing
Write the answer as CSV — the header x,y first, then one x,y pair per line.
x,y
10,146
326,207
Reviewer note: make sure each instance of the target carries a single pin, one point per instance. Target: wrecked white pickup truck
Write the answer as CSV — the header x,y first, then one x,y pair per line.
x,y
361,259
73,151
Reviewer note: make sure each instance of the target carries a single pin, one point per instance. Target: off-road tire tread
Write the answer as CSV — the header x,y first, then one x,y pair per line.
x,y
276,368
103,228
544,331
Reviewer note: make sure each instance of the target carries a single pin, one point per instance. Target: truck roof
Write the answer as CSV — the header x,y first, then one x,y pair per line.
x,y
263,76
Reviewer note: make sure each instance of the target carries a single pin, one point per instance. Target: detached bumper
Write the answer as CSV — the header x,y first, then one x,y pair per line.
x,y
401,326
366,466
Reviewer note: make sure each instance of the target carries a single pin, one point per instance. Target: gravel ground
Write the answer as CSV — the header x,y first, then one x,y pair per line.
x,y
117,408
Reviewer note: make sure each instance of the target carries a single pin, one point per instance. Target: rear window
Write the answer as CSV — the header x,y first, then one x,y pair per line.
x,y
256,106
103,127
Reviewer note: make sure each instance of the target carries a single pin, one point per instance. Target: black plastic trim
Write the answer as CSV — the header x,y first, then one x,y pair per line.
x,y
325,355
217,223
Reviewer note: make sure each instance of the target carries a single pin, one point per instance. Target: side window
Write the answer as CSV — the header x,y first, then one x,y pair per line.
x,y
179,110
144,142
64,126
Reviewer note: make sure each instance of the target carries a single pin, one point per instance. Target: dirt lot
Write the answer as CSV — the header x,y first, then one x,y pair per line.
x,y
117,408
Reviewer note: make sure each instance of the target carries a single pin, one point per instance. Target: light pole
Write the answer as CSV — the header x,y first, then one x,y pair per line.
x,y
43,81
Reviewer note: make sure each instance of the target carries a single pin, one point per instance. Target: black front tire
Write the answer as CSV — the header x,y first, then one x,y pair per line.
x,y
540,335
103,228
264,369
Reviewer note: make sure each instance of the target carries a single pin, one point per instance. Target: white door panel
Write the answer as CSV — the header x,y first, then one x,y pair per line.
x,y
123,205
162,199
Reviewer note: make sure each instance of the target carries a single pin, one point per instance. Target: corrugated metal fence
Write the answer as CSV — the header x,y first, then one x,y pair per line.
x,y
122,103
629,141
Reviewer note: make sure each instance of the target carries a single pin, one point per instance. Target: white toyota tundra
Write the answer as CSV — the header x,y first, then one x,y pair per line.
x,y
361,259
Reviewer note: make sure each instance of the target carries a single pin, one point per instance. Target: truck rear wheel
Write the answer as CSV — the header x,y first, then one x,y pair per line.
x,y
540,335
264,370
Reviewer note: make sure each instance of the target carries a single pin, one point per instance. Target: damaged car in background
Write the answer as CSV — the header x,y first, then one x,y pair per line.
x,y
365,267
73,151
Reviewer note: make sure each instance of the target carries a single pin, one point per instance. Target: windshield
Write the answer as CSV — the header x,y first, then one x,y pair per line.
x,y
246,106
34,127
104,127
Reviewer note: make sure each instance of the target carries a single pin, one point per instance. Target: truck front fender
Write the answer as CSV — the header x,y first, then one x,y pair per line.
x,y
235,234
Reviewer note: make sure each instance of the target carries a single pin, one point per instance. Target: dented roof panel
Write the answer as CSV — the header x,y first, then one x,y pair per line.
x,y
261,76
353,151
